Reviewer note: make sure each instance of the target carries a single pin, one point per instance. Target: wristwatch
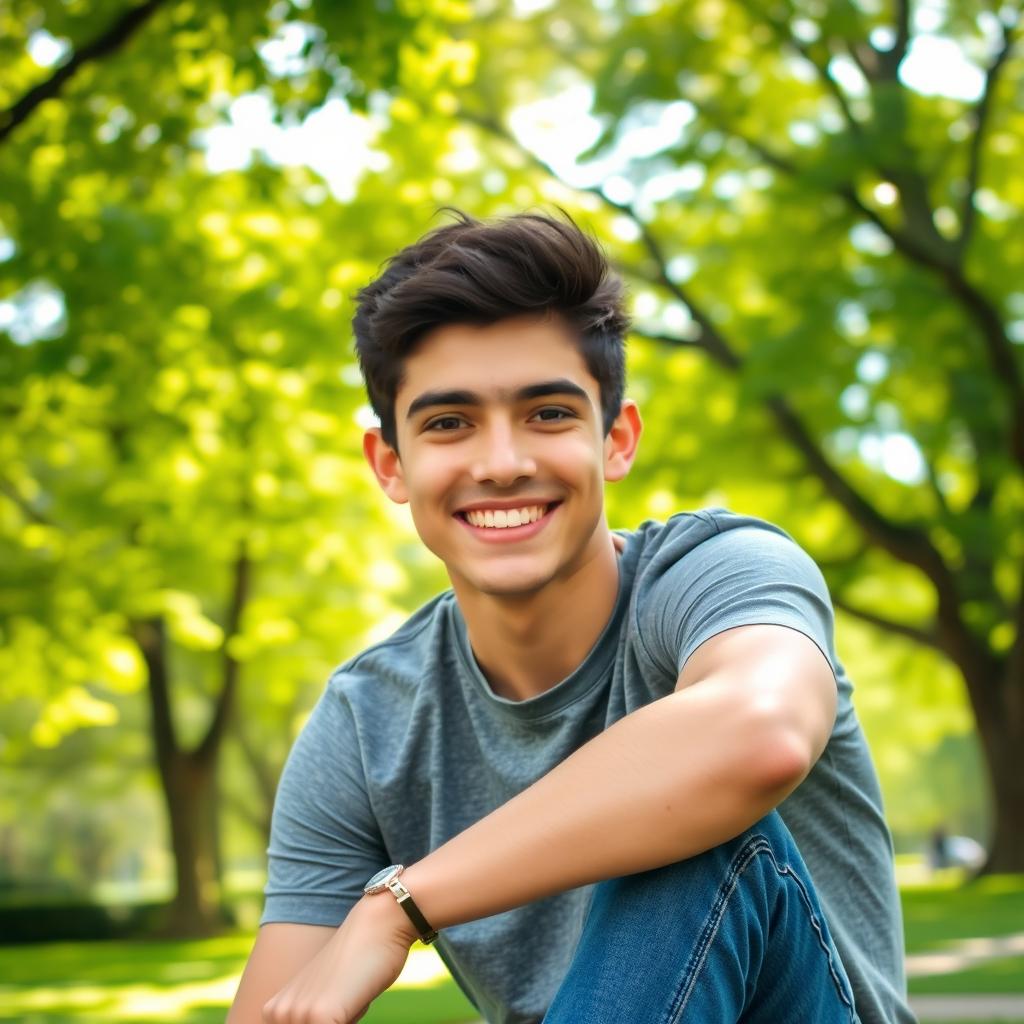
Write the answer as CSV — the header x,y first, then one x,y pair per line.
x,y
387,878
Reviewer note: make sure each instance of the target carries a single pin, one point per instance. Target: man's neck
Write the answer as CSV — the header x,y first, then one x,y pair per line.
x,y
527,644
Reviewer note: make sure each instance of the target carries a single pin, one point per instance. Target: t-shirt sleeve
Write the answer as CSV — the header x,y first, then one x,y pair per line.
x,y
324,842
744,576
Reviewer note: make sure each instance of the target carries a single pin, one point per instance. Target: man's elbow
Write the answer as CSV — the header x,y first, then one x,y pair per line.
x,y
791,726
781,754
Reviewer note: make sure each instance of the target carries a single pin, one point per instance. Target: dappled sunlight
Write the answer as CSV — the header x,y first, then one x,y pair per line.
x,y
815,209
124,1001
423,969
185,978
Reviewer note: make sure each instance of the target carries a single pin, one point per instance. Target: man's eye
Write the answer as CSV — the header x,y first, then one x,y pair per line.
x,y
446,423
553,414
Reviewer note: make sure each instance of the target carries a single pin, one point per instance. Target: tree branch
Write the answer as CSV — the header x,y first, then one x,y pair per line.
x,y
844,564
878,66
710,339
936,489
266,782
933,251
106,43
258,822
918,240
968,215
765,152
899,48
240,579
883,65
785,37
975,304
669,340
930,252
1012,688
150,635
906,543
11,492
925,637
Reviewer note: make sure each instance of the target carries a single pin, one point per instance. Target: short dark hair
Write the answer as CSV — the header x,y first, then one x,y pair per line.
x,y
480,272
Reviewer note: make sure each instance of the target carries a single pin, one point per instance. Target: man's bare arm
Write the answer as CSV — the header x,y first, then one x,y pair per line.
x,y
752,712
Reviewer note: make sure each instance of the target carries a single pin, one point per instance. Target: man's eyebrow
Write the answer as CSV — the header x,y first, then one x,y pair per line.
x,y
432,398
559,386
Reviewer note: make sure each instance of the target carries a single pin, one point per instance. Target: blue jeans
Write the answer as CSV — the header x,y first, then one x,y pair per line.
x,y
735,934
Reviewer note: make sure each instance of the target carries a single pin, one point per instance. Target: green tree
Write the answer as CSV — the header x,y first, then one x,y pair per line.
x,y
824,267
175,381
826,255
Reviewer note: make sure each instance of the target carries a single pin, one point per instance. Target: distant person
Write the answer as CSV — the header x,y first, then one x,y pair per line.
x,y
965,852
578,751
938,849
946,851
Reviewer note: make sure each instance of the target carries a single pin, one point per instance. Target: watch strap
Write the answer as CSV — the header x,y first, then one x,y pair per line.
x,y
408,904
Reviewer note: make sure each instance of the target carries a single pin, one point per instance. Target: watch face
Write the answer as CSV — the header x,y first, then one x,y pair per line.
x,y
382,877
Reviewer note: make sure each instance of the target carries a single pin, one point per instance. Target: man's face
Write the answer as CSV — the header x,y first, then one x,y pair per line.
x,y
502,453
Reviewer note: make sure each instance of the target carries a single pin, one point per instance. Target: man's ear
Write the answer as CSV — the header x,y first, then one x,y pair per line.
x,y
386,465
621,443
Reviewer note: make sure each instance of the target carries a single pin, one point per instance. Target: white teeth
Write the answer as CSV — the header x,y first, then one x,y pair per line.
x,y
502,518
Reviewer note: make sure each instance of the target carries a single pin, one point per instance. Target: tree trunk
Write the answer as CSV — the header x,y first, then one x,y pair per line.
x,y
189,778
190,795
1006,855
995,693
1004,759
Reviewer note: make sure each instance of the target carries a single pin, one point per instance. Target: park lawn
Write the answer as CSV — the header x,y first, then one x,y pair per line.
x,y
193,982
934,915
937,916
188,982
995,977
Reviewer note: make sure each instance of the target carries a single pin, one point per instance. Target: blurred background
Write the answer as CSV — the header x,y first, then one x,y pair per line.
x,y
817,207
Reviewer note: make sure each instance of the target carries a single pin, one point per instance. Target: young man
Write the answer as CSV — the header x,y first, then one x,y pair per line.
x,y
577,751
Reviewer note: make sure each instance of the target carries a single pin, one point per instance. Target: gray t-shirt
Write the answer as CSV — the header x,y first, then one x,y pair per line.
x,y
409,746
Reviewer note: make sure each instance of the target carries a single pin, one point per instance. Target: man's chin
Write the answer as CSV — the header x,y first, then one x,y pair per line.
x,y
509,584
511,589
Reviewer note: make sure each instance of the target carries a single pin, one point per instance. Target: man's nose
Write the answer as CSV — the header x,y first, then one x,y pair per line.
x,y
502,457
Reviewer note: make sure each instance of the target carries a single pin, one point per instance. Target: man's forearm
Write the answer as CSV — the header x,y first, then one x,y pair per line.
x,y
671,780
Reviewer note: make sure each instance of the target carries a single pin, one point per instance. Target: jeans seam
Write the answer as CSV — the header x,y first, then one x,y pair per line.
x,y
714,920
816,923
752,848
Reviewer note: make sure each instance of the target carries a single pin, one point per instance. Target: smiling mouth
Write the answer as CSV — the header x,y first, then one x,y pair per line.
x,y
506,518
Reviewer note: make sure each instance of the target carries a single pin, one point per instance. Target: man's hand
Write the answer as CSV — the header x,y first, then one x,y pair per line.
x,y
363,958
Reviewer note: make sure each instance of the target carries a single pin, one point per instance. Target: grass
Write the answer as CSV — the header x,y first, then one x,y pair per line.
x,y
937,916
186,982
193,982
995,977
